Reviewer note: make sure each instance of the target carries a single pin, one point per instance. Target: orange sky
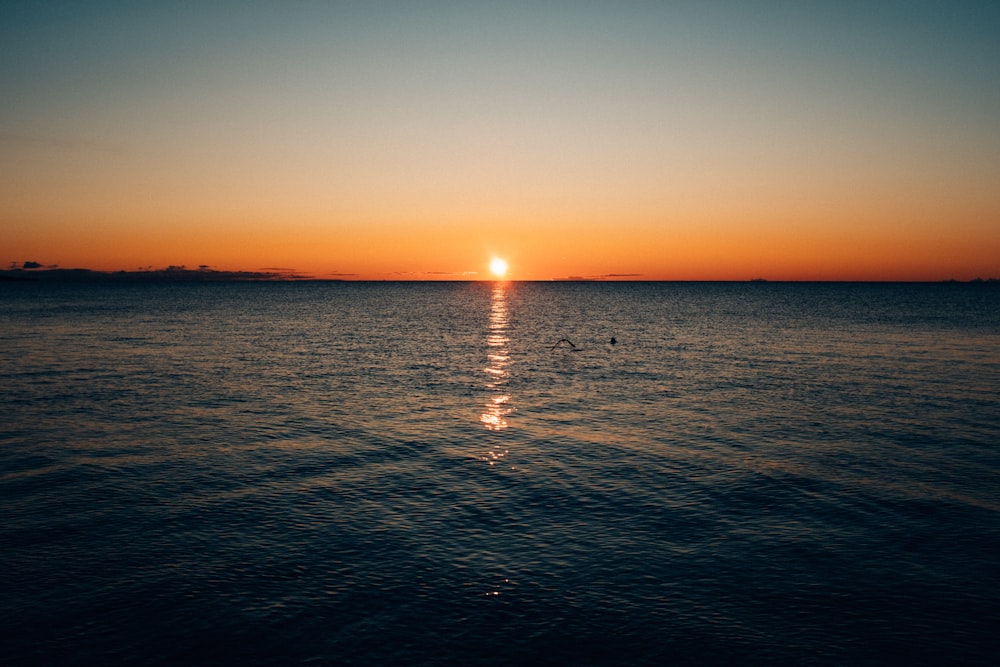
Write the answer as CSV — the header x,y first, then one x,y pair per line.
x,y
623,142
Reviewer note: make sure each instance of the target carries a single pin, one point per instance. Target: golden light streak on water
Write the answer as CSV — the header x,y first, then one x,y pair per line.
x,y
494,417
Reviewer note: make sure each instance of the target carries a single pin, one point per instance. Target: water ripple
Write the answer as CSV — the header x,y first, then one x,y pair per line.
x,y
412,474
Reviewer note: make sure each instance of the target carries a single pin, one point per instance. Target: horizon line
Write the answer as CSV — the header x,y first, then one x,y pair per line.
x,y
207,274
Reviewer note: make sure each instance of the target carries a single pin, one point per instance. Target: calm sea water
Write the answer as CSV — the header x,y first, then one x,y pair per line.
x,y
373,474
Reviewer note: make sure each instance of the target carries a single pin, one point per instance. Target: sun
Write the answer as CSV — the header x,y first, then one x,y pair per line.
x,y
498,267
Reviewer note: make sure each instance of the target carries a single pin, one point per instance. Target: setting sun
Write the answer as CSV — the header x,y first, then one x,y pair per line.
x,y
498,267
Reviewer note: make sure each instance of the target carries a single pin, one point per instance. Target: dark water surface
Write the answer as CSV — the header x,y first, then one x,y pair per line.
x,y
421,473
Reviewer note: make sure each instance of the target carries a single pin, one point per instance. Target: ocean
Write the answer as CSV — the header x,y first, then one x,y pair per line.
x,y
341,473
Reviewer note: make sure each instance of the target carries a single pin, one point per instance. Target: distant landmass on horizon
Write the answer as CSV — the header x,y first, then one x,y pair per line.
x,y
32,271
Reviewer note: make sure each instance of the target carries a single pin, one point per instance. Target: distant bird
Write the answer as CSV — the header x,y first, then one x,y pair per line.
x,y
564,340
613,341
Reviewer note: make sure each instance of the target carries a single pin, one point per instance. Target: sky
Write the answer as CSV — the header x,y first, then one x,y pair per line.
x,y
785,140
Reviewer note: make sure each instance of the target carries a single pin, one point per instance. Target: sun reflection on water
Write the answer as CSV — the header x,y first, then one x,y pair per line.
x,y
494,417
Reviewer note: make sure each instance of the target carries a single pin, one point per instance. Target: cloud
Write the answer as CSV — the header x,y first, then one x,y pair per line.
x,y
604,276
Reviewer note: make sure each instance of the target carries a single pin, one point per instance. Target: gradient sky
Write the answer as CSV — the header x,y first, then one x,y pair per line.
x,y
652,140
